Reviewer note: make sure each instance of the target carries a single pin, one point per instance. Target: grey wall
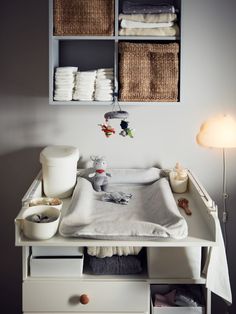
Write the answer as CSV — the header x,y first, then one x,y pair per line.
x,y
164,133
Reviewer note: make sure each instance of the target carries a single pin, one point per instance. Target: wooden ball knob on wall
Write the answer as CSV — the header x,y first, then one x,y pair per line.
x,y
84,299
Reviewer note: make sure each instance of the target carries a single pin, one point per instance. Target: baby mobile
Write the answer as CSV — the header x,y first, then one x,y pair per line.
x,y
124,124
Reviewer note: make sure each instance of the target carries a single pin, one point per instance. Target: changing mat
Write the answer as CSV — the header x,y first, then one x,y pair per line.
x,y
151,212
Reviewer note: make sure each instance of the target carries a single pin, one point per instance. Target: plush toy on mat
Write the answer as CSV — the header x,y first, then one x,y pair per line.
x,y
100,176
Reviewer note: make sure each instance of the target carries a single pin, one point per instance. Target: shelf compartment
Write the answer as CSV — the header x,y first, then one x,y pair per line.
x,y
86,54
172,31
174,263
197,290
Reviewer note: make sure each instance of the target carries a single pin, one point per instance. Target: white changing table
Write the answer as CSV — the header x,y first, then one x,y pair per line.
x,y
114,294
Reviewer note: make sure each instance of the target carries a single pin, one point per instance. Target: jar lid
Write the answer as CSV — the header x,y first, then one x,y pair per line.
x,y
58,154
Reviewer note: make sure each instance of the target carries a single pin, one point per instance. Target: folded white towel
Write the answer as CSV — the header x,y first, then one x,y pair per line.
x,y
84,85
103,92
63,89
105,98
81,94
105,70
104,87
64,76
61,97
108,251
162,31
64,81
87,73
149,18
66,69
134,24
216,269
83,97
63,92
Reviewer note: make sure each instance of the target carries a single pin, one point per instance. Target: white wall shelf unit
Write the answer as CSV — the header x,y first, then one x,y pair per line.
x,y
93,52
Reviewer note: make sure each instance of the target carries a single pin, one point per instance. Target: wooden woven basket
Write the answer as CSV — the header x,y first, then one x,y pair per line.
x,y
148,72
83,17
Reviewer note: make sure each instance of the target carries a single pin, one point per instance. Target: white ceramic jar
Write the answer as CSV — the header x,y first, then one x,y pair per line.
x,y
59,165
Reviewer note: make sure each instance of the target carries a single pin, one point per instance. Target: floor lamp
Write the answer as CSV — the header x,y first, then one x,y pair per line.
x,y
220,132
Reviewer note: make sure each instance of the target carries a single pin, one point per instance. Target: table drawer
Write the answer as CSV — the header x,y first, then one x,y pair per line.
x,y
104,296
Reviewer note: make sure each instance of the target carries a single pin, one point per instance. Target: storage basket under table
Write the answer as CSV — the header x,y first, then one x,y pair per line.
x,y
83,17
149,72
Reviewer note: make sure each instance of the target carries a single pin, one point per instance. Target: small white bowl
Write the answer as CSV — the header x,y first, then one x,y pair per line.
x,y
49,201
40,231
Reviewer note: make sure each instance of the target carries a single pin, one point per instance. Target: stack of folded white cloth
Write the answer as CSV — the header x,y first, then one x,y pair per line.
x,y
104,85
148,19
64,83
85,85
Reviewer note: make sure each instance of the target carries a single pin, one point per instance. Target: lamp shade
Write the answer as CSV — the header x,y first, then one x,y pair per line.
x,y
218,132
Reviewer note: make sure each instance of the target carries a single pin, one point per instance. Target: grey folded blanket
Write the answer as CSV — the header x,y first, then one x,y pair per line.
x,y
115,265
132,7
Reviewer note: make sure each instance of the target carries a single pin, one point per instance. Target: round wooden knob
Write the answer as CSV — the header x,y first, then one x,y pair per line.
x,y
84,299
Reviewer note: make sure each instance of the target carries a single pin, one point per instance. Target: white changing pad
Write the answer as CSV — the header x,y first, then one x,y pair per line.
x,y
151,213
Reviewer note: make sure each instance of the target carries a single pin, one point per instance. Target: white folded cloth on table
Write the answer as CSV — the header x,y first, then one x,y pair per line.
x,y
134,24
149,18
109,251
161,31
216,269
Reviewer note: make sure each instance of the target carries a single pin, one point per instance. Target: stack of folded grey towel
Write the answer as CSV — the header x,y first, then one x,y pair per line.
x,y
64,83
148,18
84,85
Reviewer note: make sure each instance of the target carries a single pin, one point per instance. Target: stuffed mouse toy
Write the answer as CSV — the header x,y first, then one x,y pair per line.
x,y
100,176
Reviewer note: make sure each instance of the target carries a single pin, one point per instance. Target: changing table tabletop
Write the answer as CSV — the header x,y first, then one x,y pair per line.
x,y
201,224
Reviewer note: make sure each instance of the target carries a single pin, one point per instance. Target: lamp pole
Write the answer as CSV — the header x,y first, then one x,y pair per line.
x,y
225,197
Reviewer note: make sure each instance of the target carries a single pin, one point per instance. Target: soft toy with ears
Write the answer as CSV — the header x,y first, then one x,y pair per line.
x,y
100,176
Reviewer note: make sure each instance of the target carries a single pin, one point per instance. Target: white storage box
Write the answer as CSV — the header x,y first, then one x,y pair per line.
x,y
174,262
56,266
172,309
57,251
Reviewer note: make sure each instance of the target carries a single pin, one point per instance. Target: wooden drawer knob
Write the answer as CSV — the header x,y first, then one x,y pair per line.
x,y
84,299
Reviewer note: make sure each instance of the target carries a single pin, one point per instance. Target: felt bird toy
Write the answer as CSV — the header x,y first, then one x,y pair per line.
x,y
107,129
